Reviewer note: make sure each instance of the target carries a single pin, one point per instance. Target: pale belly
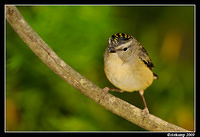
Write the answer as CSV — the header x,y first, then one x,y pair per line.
x,y
128,77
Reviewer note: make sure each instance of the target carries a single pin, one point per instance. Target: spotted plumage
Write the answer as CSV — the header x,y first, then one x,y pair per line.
x,y
119,38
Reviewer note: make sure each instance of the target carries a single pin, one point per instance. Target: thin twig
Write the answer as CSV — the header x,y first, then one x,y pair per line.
x,y
110,102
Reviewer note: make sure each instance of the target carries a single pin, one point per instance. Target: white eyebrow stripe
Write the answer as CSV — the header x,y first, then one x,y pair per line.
x,y
124,45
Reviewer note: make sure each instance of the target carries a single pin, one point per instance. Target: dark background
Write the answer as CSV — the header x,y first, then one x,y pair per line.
x,y
37,99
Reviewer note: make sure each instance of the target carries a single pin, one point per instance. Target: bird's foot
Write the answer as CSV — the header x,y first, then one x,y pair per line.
x,y
146,111
105,91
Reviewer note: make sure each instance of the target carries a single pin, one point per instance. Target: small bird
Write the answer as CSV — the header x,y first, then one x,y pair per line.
x,y
127,65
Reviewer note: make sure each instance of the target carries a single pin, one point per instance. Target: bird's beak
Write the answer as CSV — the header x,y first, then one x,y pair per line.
x,y
111,50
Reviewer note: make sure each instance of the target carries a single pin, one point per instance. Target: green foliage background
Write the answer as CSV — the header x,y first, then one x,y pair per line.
x,y
37,99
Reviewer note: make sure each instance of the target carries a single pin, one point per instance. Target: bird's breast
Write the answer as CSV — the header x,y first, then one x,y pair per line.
x,y
125,75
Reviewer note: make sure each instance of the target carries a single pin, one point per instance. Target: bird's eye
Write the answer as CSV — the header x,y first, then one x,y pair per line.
x,y
125,49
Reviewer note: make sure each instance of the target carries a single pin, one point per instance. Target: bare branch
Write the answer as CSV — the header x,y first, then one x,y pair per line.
x,y
110,102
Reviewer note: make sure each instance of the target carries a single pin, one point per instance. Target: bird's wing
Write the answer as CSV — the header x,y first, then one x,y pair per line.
x,y
143,55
